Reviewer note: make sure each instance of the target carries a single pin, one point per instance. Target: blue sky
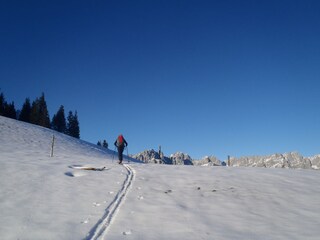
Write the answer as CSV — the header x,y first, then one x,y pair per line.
x,y
202,77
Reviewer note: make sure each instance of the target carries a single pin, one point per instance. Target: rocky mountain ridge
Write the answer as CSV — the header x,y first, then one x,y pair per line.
x,y
285,160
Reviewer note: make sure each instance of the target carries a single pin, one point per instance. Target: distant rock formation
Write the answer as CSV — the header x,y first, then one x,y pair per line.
x,y
180,158
315,161
208,161
286,160
152,156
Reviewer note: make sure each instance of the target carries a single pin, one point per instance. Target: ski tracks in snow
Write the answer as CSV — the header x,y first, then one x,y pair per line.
x,y
101,228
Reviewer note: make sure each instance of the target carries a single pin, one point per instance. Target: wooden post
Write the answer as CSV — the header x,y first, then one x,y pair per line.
x,y
52,145
229,161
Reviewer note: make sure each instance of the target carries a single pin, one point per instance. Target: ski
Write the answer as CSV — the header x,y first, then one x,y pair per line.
x,y
88,168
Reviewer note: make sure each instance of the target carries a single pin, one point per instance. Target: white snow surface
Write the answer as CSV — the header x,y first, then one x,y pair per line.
x,y
43,197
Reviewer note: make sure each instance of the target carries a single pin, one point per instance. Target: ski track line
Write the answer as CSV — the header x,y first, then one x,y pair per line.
x,y
101,228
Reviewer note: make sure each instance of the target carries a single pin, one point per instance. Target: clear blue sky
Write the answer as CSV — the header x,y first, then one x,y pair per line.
x,y
202,77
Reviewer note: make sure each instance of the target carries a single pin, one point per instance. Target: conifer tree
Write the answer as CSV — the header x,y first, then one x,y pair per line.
x,y
2,104
39,112
25,111
59,121
76,126
34,113
7,110
10,110
99,143
44,119
73,128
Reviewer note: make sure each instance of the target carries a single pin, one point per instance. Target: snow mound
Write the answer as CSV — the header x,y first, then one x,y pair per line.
x,y
75,174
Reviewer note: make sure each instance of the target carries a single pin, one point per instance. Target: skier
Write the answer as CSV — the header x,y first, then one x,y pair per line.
x,y
120,143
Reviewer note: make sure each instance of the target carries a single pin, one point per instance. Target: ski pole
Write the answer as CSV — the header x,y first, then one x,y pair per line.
x,y
127,154
113,153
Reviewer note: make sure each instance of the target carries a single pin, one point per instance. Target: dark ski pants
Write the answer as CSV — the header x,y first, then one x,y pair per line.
x,y
120,153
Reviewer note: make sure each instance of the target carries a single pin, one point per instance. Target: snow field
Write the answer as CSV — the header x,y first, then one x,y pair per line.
x,y
43,197
101,228
181,202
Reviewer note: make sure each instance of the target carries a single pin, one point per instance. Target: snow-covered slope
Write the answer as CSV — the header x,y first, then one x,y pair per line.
x,y
39,198
43,197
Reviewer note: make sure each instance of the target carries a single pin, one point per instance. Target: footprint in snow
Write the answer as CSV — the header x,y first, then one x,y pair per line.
x,y
140,197
96,204
75,174
85,221
129,232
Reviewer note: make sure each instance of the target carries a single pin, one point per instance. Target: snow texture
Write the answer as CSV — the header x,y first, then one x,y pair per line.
x,y
43,197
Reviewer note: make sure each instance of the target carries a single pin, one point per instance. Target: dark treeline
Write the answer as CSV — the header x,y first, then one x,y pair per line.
x,y
37,113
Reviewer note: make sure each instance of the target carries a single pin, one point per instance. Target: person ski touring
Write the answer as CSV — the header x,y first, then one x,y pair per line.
x,y
120,143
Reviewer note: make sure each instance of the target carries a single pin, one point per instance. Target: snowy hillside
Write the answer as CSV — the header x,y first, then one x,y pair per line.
x,y
38,195
43,197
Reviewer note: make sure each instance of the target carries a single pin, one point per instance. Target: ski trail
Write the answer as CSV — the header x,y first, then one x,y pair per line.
x,y
102,226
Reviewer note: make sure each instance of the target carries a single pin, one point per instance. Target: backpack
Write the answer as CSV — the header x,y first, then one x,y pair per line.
x,y
120,142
